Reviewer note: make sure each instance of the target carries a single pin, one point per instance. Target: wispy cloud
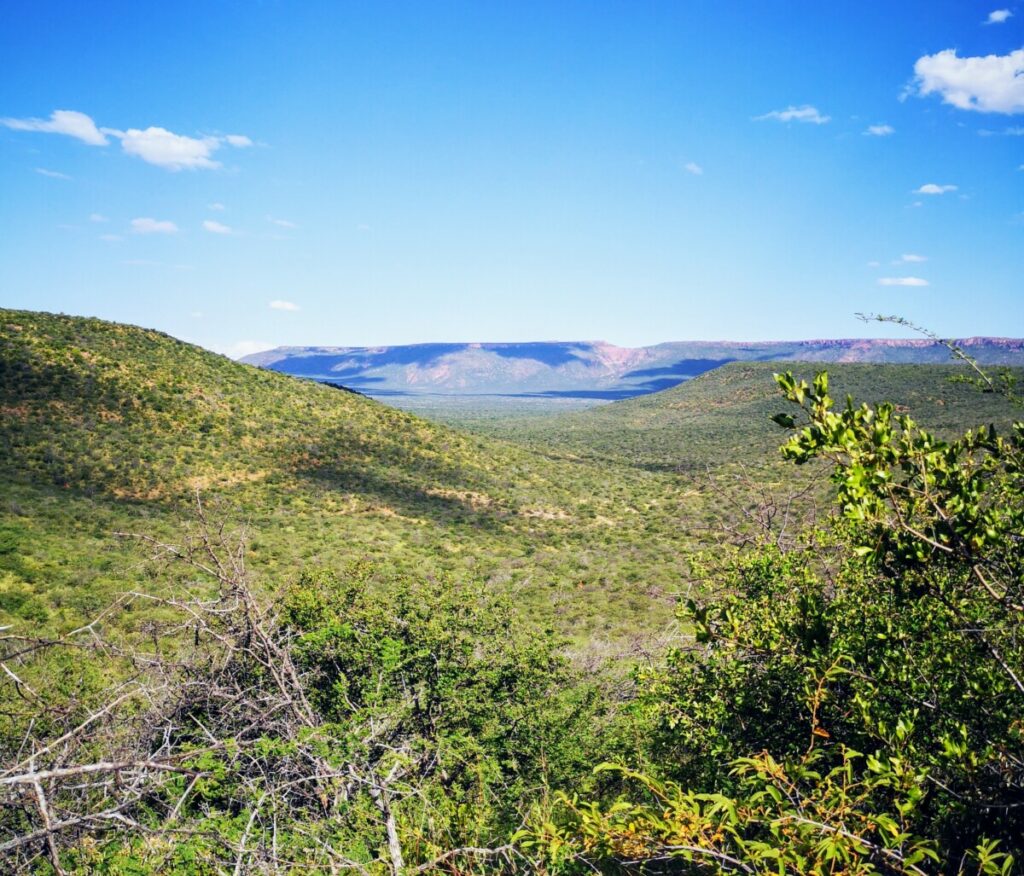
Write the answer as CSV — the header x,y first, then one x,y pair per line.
x,y
216,227
805,113
278,304
238,141
902,281
694,168
988,84
1013,131
913,257
67,122
879,131
217,207
98,217
874,264
145,225
283,223
998,16
934,189
52,174
111,238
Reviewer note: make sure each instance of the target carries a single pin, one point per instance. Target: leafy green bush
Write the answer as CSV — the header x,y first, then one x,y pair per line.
x,y
854,706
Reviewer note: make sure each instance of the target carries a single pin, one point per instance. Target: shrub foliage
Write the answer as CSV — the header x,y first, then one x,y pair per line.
x,y
855,706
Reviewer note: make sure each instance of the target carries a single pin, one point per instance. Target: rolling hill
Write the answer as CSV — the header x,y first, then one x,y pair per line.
x,y
107,427
724,416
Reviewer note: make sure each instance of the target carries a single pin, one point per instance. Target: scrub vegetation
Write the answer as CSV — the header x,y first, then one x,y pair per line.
x,y
254,624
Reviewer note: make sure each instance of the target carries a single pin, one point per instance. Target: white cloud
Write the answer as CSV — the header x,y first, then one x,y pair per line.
x,y
879,130
98,217
694,168
154,145
912,257
998,16
218,207
145,225
805,113
175,151
989,84
172,151
934,189
278,304
284,223
53,174
216,227
902,281
67,122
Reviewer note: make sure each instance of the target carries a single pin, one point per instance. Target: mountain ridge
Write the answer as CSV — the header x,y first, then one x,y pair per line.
x,y
591,369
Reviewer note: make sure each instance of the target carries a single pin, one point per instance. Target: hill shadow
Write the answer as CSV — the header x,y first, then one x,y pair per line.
x,y
683,368
324,365
403,481
552,354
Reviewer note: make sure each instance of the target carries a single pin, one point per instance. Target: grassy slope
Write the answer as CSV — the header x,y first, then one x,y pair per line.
x,y
108,427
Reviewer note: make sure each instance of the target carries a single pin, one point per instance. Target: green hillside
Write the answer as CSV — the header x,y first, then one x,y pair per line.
x,y
108,427
724,416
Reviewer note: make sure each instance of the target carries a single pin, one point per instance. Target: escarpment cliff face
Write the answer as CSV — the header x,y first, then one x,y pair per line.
x,y
589,369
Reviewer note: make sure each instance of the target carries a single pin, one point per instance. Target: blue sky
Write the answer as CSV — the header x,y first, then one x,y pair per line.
x,y
244,175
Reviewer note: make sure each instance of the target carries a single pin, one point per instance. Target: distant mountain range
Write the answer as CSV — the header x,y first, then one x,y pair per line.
x,y
588,369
